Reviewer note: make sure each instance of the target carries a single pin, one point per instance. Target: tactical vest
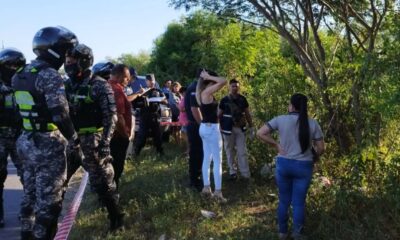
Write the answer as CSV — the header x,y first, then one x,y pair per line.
x,y
151,109
9,116
85,113
31,103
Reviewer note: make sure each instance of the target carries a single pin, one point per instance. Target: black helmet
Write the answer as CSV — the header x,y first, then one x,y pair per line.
x,y
51,43
10,61
103,69
83,54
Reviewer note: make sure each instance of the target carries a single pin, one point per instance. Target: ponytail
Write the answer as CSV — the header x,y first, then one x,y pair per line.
x,y
299,102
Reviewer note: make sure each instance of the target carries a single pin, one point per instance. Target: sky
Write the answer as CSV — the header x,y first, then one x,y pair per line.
x,y
110,28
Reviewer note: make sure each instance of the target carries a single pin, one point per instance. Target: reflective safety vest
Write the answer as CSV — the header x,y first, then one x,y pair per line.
x,y
84,111
9,116
32,104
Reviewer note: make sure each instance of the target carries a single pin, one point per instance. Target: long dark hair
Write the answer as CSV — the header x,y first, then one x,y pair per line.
x,y
299,102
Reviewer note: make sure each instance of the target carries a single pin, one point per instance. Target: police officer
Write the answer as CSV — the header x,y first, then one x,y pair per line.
x,y
10,121
194,116
103,69
93,112
47,128
150,117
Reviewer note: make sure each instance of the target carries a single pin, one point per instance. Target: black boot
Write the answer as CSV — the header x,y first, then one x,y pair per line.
x,y
115,215
1,215
26,228
52,230
117,222
50,224
26,235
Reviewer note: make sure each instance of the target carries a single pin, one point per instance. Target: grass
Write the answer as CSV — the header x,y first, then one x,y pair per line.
x,y
157,203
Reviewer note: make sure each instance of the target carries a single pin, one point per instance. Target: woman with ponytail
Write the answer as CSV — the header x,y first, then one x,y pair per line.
x,y
300,139
208,84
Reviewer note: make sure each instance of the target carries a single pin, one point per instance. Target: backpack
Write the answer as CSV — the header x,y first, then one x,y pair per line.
x,y
238,115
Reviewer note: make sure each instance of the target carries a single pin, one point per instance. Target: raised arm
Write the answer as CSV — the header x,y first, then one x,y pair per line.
x,y
210,90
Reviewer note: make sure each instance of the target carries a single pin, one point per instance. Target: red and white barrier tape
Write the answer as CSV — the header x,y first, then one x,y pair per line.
x,y
66,225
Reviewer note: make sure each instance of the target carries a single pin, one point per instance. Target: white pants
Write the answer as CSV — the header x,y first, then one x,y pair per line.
x,y
237,140
212,151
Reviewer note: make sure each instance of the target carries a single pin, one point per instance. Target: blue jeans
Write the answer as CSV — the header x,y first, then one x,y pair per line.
x,y
293,178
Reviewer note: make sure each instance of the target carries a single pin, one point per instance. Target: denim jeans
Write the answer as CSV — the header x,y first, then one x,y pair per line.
x,y
212,150
293,178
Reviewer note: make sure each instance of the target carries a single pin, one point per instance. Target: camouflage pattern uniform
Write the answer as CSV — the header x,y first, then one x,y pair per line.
x,y
9,132
93,111
8,138
44,153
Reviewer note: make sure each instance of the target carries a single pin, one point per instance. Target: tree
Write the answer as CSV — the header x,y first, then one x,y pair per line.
x,y
184,47
139,61
301,23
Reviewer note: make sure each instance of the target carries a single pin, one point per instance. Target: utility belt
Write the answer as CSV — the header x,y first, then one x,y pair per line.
x,y
32,126
89,130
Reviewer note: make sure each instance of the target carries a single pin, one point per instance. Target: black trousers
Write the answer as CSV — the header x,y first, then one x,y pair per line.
x,y
118,147
149,126
195,155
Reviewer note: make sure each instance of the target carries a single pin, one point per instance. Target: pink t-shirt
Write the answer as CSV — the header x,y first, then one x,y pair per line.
x,y
182,113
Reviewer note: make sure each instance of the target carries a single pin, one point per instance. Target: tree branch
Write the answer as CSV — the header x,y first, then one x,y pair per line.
x,y
314,28
345,21
357,16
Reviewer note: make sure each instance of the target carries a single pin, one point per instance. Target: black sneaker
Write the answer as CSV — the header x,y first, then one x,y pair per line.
x,y
196,185
233,177
26,235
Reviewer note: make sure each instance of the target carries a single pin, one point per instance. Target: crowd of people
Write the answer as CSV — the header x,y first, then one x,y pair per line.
x,y
50,127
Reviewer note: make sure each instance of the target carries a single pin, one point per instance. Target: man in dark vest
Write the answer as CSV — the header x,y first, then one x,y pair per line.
x,y
47,128
10,122
150,116
234,113
93,112
194,116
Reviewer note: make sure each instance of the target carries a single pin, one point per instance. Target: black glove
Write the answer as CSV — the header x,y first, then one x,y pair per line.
x,y
5,90
75,151
103,149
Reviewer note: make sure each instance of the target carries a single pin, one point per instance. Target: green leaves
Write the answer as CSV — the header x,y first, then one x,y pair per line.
x,y
138,61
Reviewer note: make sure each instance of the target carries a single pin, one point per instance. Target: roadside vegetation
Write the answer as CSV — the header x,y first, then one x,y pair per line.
x,y
352,81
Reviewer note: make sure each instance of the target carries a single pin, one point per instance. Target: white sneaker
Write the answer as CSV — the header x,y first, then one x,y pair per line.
x,y
206,192
219,198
